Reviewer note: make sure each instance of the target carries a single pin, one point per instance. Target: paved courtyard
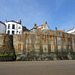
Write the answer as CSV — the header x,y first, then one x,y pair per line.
x,y
38,68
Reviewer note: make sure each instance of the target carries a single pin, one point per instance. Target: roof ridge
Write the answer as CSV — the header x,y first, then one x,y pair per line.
x,y
71,29
13,21
2,23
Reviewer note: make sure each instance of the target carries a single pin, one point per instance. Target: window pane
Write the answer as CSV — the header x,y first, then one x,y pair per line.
x,y
8,26
8,32
13,32
13,26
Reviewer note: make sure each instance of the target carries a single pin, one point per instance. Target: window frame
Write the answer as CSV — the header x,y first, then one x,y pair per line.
x,y
13,26
8,26
13,31
8,32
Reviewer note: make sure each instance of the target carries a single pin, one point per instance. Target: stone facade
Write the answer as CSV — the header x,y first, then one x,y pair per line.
x,y
44,41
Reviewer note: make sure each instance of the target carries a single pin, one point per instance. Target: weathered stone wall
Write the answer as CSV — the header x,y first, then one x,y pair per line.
x,y
6,43
44,41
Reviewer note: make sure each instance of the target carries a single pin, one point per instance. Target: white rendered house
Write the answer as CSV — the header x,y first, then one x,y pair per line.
x,y
2,27
14,27
71,31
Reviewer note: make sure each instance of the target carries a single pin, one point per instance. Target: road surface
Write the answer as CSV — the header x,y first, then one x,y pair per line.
x,y
66,67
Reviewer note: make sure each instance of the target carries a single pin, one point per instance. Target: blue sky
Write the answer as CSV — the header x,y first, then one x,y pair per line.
x,y
57,13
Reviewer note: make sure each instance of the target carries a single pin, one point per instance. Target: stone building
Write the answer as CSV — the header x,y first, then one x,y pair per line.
x,y
45,41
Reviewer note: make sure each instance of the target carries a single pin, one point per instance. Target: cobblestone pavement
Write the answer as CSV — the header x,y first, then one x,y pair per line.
x,y
64,67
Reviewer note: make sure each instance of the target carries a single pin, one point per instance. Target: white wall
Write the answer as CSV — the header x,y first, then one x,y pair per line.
x,y
72,31
16,30
45,27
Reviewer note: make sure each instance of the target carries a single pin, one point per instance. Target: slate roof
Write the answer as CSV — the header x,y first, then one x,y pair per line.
x,y
13,21
71,29
25,29
2,23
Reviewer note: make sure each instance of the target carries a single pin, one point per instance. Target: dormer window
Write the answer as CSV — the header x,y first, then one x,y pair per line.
x,y
13,26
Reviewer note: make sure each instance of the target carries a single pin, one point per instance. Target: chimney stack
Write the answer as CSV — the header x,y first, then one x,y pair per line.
x,y
20,21
55,28
64,30
45,22
35,26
